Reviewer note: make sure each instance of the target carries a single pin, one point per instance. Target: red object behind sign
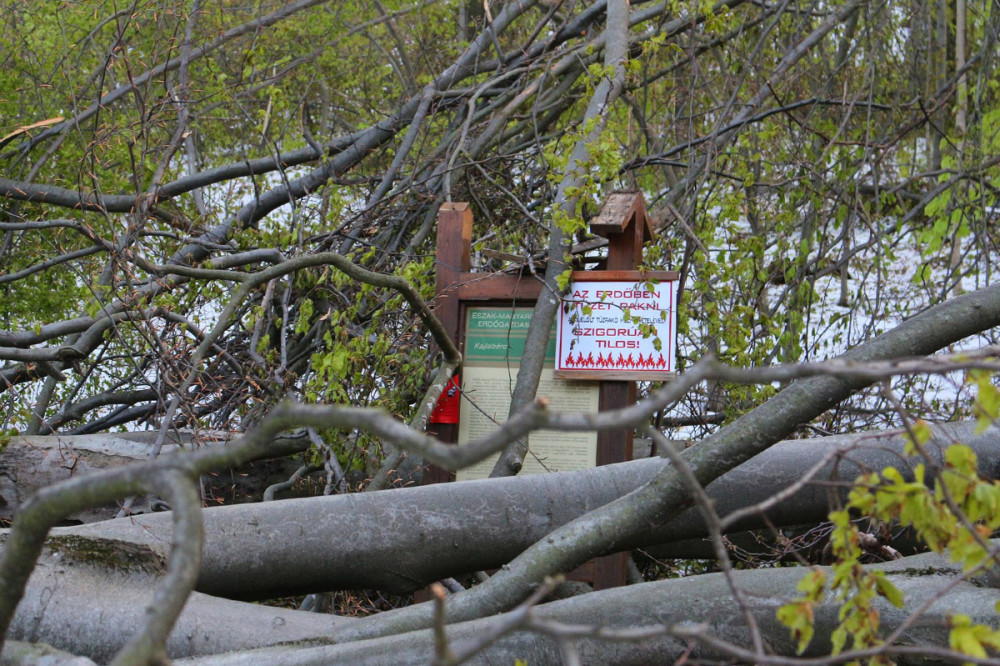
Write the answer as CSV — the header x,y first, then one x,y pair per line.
x,y
446,410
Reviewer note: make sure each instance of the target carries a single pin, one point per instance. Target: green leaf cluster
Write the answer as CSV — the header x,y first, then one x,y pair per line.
x,y
954,514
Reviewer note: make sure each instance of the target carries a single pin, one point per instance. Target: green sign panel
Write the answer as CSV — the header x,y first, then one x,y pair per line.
x,y
495,336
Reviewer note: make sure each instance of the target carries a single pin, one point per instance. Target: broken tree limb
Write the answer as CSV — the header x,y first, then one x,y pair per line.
x,y
30,463
681,618
401,540
100,588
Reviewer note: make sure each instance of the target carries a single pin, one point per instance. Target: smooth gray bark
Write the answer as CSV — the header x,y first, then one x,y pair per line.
x,y
28,464
78,604
404,539
679,605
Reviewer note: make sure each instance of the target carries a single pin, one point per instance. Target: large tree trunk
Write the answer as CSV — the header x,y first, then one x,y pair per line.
x,y
100,588
33,462
63,590
414,536
684,608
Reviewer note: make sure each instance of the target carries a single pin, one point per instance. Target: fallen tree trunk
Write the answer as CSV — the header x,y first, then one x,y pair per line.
x,y
100,588
77,575
401,540
670,617
30,463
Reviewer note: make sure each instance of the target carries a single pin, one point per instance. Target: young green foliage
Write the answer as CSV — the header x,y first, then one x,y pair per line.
x,y
955,515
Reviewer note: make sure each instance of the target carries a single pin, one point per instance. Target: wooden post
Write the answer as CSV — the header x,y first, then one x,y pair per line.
x,y
624,222
454,243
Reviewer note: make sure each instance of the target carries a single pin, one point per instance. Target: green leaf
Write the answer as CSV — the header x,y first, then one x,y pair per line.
x,y
813,584
987,405
563,280
886,589
964,638
838,639
961,458
305,315
798,617
918,434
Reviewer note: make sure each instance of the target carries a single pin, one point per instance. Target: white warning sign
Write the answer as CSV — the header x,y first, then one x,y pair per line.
x,y
622,330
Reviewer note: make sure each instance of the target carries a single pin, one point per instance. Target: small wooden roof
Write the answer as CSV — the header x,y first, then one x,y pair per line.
x,y
619,210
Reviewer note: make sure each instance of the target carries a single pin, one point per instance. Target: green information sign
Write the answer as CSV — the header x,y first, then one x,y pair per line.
x,y
495,336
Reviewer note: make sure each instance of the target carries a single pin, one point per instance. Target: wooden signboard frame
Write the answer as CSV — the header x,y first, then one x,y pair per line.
x,y
623,220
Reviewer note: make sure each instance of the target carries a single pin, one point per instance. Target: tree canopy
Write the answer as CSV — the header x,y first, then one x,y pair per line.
x,y
218,218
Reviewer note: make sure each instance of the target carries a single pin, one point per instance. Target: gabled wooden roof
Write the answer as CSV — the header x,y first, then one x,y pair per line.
x,y
620,209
